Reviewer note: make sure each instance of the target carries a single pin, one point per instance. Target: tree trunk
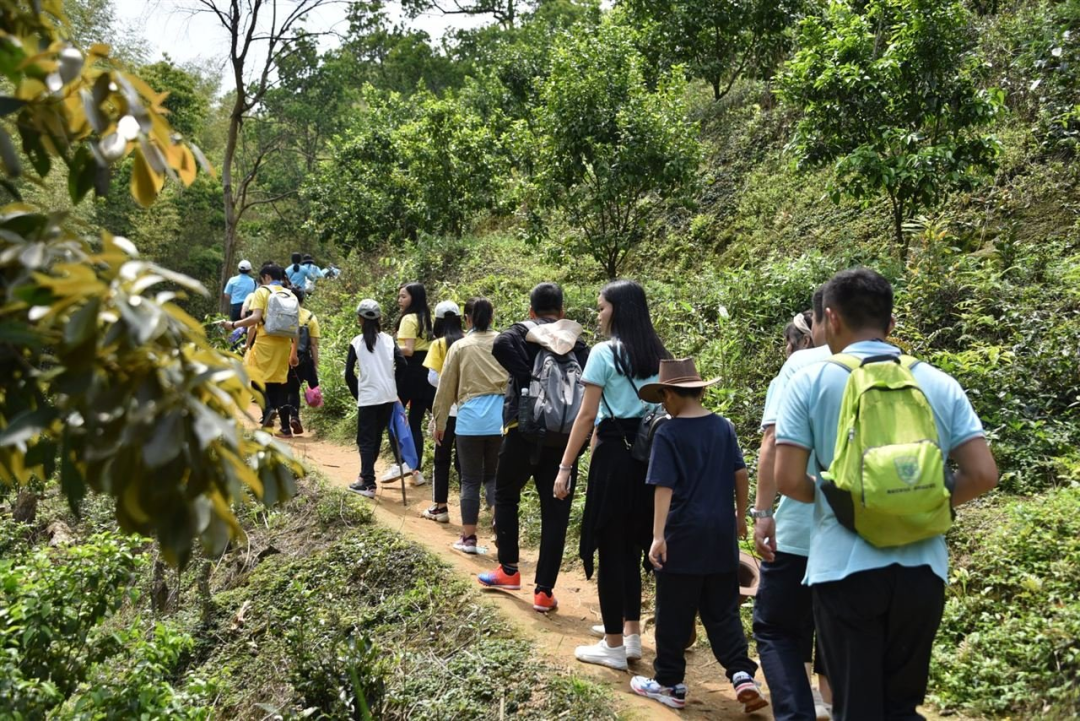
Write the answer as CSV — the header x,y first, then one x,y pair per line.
x,y
716,87
228,255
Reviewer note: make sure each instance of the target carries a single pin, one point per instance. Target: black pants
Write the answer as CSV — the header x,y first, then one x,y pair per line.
x,y
877,630
516,467
371,422
305,372
419,396
784,628
235,310
479,461
679,598
618,511
276,400
444,458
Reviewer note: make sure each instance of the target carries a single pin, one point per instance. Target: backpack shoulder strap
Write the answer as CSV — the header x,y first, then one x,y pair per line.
x,y
909,362
846,361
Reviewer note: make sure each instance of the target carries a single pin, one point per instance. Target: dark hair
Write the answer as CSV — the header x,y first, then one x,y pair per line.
x,y
687,392
480,312
296,262
819,305
370,328
299,293
448,327
546,299
863,298
417,304
796,337
640,349
276,272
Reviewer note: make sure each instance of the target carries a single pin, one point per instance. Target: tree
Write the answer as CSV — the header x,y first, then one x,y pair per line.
x,y
188,100
407,166
718,40
505,12
612,150
273,26
887,91
108,384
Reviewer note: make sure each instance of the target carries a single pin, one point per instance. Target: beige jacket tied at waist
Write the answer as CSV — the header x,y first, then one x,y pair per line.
x,y
470,371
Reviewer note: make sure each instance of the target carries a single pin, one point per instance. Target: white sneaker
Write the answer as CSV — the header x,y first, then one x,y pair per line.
x,y
602,655
822,710
418,478
632,642
395,472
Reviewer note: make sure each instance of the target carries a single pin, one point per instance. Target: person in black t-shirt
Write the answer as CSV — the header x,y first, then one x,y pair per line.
x,y
699,475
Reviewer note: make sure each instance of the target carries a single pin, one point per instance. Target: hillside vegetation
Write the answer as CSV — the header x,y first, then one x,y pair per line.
x,y
729,156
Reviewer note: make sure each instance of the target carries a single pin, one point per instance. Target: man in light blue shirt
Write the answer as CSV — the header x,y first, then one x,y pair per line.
x,y
876,609
783,610
238,288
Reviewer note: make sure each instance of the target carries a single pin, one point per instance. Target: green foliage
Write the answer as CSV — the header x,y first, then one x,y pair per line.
x,y
407,166
888,90
611,150
1008,639
188,105
144,689
716,40
53,603
108,383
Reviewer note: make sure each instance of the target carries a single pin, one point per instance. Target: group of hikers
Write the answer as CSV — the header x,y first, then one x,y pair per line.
x,y
277,336
858,440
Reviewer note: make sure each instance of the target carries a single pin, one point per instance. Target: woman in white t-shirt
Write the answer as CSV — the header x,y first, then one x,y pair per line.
x,y
371,371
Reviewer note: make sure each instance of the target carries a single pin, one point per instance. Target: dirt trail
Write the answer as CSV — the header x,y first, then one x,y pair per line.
x,y
555,634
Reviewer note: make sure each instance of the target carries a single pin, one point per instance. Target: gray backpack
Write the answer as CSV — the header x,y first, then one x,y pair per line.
x,y
282,314
551,400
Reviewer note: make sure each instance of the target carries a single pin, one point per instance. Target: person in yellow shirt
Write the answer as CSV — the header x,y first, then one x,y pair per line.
x,y
447,330
307,371
414,337
270,357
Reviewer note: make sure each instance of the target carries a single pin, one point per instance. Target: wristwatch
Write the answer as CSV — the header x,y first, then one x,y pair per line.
x,y
755,513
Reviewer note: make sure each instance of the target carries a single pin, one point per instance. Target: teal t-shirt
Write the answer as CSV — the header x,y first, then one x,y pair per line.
x,y
239,288
480,416
809,415
620,399
794,519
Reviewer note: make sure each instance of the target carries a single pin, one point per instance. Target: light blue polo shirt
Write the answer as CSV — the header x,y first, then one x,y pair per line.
x,y
239,288
619,397
794,519
809,415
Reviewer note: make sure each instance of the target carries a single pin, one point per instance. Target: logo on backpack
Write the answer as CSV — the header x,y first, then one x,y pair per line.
x,y
282,314
888,479
551,400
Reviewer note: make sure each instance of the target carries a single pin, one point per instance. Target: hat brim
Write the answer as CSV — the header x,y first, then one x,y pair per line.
x,y
650,392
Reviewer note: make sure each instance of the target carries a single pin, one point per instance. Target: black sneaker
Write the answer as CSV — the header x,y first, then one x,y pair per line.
x,y
364,490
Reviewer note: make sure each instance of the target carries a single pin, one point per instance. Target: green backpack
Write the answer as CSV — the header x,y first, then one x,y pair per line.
x,y
887,481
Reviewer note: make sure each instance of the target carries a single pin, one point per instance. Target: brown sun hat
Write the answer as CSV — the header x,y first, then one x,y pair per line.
x,y
681,373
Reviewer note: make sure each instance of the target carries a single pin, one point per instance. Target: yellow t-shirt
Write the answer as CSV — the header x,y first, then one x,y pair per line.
x,y
308,318
268,359
410,328
436,355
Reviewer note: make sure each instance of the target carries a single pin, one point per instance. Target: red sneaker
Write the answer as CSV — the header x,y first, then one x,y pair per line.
x,y
500,579
544,602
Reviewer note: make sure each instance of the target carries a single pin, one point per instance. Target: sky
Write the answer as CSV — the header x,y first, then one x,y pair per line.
x,y
168,28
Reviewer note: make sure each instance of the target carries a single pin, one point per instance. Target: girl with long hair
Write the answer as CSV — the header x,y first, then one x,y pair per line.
x,y
414,336
372,370
474,381
617,521
447,331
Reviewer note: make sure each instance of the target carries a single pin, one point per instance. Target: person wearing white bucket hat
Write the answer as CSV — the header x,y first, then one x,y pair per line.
x,y
239,287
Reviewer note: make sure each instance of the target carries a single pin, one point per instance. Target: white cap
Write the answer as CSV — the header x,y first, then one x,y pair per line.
x,y
445,308
369,309
245,265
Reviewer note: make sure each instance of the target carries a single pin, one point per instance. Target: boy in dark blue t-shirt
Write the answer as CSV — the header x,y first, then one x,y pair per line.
x,y
699,474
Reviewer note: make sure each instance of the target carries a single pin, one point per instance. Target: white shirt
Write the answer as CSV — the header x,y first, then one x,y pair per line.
x,y
375,371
